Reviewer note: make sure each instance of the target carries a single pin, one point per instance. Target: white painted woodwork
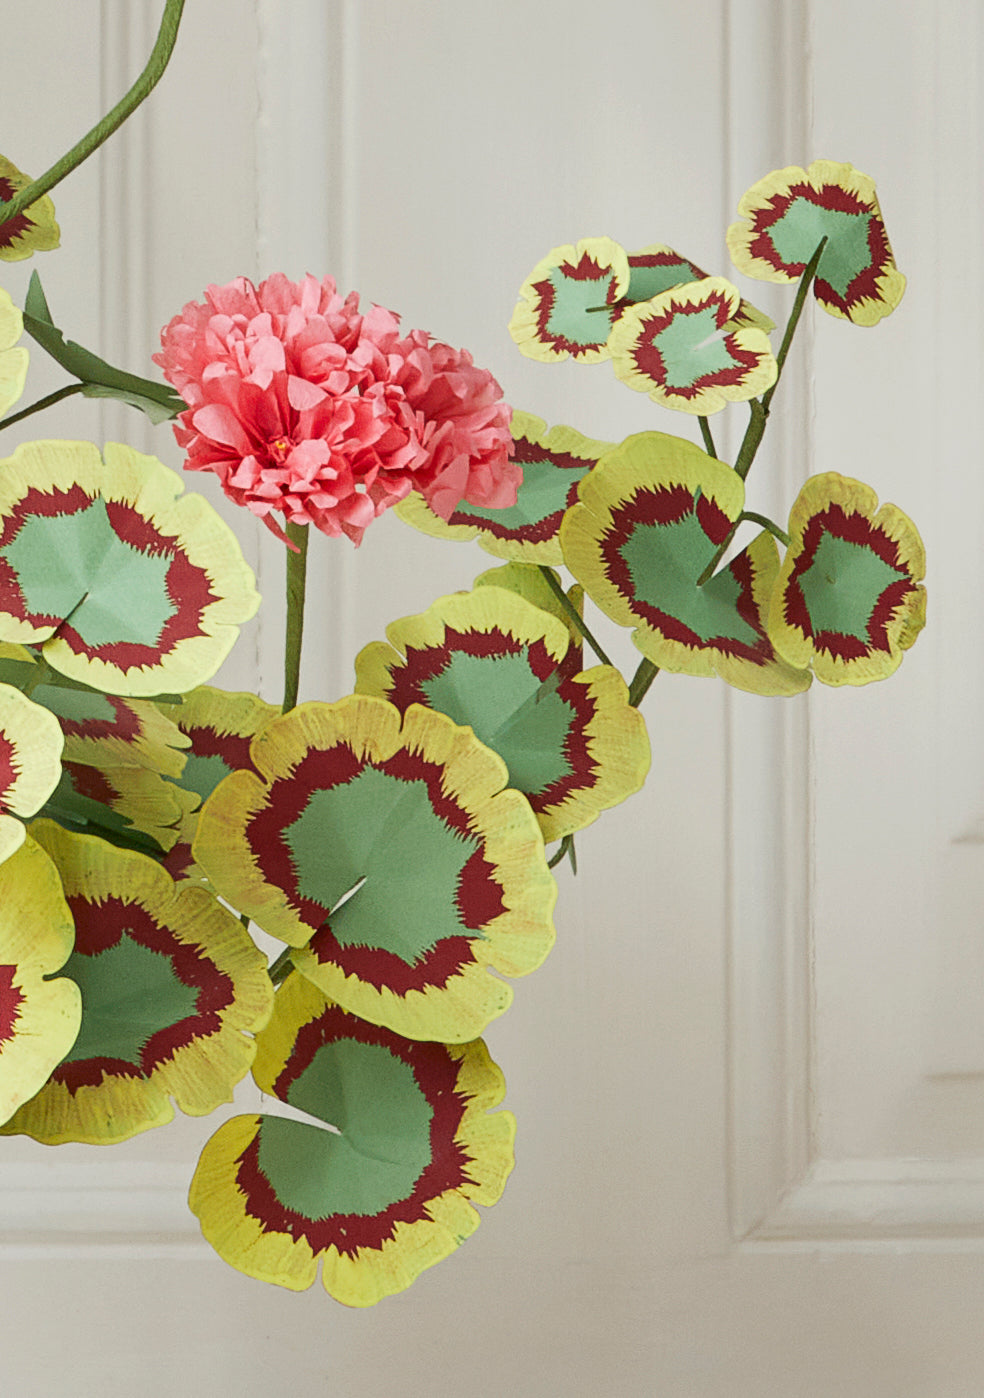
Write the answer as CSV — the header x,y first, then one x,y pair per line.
x,y
750,1078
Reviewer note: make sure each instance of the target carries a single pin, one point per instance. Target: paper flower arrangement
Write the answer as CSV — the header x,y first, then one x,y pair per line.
x,y
398,840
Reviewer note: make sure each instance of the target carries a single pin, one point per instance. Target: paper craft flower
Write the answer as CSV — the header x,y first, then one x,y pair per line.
x,y
39,1012
684,349
218,727
847,600
657,268
302,404
651,517
784,217
34,229
387,1194
30,763
124,585
13,357
571,741
391,856
570,301
172,988
552,462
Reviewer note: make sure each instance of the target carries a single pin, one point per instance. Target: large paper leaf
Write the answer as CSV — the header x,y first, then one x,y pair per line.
x,y
392,856
40,1012
553,462
172,988
650,521
387,1193
783,219
571,741
124,585
847,600
569,302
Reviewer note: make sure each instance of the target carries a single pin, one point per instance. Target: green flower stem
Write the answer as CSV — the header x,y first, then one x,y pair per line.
x,y
296,577
573,613
282,967
567,850
760,409
641,681
755,518
705,432
147,81
43,403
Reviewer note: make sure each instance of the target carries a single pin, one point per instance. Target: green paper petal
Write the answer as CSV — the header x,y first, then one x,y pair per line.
x,y
392,856
683,348
127,587
572,743
172,988
784,217
651,517
553,463
39,1013
390,1191
847,599
568,303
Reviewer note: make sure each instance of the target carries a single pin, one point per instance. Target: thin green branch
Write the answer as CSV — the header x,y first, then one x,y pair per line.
x,y
43,403
566,851
147,81
641,681
280,969
582,627
296,579
755,518
705,432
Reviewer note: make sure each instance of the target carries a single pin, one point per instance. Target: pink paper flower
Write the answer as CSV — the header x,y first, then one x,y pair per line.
x,y
301,403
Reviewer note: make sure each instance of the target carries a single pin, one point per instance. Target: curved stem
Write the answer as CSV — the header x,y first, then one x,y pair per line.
x,y
573,613
43,403
566,850
147,81
754,517
296,578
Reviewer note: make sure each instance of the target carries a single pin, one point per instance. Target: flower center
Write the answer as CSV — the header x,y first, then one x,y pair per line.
x,y
279,449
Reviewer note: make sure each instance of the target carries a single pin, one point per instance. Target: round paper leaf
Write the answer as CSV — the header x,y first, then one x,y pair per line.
x,y
390,1190
553,463
104,730
218,726
392,856
39,1013
657,268
569,302
572,743
30,762
125,805
784,217
683,349
847,598
127,587
34,229
13,357
651,518
172,989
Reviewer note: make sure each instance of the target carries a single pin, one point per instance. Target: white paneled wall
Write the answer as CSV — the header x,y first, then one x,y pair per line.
x,y
750,1078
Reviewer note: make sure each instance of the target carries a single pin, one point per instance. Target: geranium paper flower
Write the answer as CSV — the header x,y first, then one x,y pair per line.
x,y
389,852
553,462
651,517
172,989
570,301
32,230
573,744
685,349
218,727
39,1012
124,585
847,598
389,1191
13,357
30,763
302,404
784,217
